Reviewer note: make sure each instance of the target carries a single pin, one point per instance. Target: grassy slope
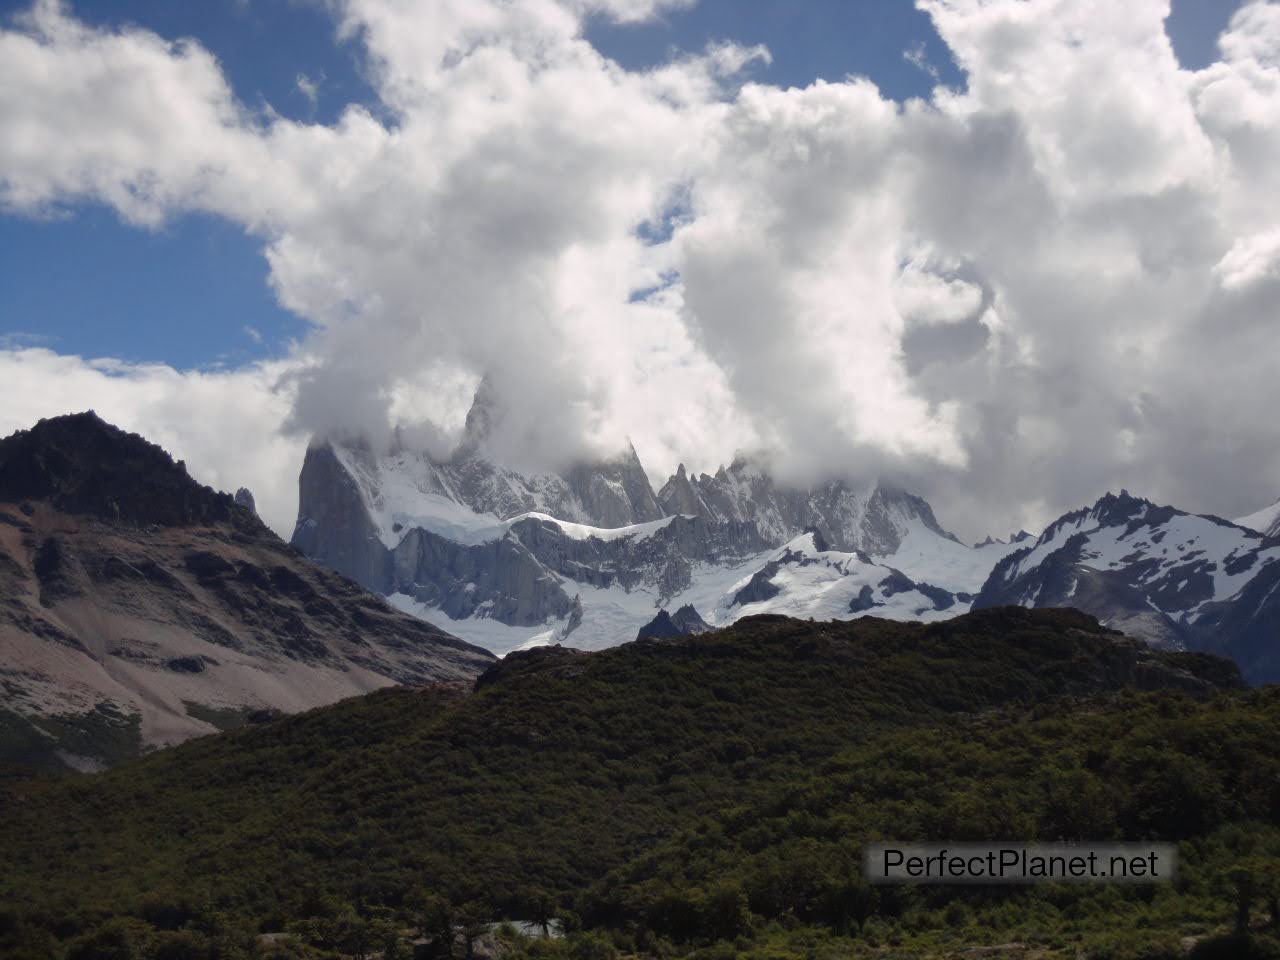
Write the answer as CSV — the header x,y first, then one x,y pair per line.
x,y
646,784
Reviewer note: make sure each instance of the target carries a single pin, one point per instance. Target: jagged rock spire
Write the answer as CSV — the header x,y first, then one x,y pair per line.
x,y
244,498
485,412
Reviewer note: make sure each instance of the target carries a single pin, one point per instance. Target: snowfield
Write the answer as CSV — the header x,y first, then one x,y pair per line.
x,y
928,558
811,584
472,503
1266,520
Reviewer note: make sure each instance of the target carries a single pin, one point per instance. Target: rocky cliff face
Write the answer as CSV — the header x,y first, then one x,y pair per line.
x,y
139,608
871,517
515,560
533,572
78,464
592,552
617,492
501,579
244,498
334,523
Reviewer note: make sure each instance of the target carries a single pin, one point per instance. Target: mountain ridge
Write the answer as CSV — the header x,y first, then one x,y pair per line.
x,y
82,465
1173,578
1266,521
138,607
735,544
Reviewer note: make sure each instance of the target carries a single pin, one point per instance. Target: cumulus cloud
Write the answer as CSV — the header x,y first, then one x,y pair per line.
x,y
141,123
1012,297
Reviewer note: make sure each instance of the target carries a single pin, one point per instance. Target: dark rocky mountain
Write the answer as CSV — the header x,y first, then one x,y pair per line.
x,y
1246,628
244,498
334,525
138,607
526,577
1174,579
1018,537
79,464
356,511
524,572
685,622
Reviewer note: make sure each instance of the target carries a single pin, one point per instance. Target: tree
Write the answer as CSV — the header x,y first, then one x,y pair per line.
x,y
471,919
20,940
539,908
121,938
430,916
726,914
350,933
1249,879
384,935
1251,853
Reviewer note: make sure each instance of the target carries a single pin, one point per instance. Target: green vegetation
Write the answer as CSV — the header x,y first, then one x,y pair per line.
x,y
104,734
223,718
701,797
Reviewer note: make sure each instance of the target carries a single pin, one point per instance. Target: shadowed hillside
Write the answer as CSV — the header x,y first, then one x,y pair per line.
x,y
671,794
139,608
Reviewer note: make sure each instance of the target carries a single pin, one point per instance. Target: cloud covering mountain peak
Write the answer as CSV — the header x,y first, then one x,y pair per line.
x,y
1057,280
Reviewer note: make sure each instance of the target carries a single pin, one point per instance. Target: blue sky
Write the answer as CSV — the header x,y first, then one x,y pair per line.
x,y
194,292
1058,281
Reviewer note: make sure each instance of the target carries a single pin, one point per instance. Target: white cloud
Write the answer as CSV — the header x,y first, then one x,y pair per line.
x,y
1250,260
930,293
1058,280
918,59
309,88
141,123
630,11
1254,34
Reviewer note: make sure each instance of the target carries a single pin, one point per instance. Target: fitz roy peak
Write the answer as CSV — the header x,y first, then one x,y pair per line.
x,y
592,557
506,559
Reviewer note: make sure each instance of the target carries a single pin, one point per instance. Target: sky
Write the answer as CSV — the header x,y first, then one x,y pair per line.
x,y
1008,253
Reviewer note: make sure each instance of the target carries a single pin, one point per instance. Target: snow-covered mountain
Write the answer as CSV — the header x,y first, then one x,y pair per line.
x,y
869,516
591,556
1265,521
511,559
139,608
1172,578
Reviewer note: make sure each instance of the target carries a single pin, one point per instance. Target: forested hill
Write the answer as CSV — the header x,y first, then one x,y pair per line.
x,y
669,796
